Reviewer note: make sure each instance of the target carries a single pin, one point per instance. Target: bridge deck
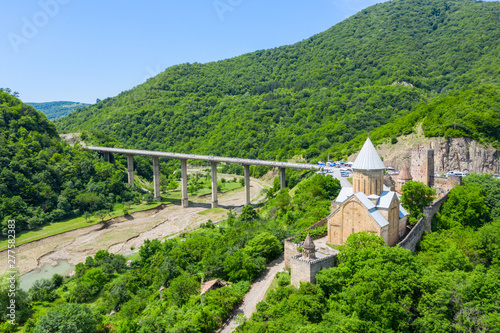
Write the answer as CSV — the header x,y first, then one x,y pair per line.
x,y
231,160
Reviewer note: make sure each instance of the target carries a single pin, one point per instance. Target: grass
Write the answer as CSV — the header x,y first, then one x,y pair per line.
x,y
349,179
336,247
56,228
217,210
134,256
274,284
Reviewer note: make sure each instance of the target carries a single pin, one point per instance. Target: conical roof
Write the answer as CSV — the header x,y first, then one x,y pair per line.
x,y
368,158
405,174
308,243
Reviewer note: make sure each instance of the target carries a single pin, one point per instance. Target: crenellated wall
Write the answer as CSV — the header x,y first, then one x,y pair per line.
x,y
305,270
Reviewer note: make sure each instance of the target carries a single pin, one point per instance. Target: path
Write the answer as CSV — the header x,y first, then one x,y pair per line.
x,y
256,294
124,233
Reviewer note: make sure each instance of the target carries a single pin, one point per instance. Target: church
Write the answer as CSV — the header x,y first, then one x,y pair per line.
x,y
369,205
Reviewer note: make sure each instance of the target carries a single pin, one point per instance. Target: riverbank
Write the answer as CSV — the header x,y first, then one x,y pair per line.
x,y
125,233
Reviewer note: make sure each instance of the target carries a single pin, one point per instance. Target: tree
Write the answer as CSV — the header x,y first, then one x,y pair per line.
x,y
248,214
416,196
9,282
465,207
376,283
265,245
75,318
101,214
87,215
148,249
182,287
172,185
149,198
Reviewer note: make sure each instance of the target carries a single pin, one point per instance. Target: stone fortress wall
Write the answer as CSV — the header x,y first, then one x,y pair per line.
x,y
424,224
304,270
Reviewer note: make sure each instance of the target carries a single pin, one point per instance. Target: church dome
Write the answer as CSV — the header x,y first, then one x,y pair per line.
x,y
405,174
308,243
368,158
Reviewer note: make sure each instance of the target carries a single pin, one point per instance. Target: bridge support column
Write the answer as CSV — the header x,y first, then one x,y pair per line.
x,y
184,177
106,156
246,173
215,203
156,178
130,169
282,178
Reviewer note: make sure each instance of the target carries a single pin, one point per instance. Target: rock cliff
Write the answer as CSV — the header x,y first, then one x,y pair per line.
x,y
460,154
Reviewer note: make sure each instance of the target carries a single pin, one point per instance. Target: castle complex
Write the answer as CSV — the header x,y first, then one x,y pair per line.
x,y
367,206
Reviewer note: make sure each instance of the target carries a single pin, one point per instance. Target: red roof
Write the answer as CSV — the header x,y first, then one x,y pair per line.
x,y
210,284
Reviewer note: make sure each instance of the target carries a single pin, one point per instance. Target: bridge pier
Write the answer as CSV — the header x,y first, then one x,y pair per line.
x,y
156,178
282,178
184,200
215,203
130,169
106,156
246,173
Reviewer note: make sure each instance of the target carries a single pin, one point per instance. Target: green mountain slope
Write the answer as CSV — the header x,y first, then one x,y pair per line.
x,y
311,97
43,179
56,110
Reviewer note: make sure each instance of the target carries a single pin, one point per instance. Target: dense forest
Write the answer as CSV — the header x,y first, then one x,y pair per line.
x,y
451,284
56,110
402,58
43,179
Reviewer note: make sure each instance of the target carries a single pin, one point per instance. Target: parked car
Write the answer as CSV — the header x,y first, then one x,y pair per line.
x,y
455,173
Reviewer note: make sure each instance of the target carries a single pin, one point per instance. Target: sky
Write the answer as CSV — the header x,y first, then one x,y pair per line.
x,y
82,50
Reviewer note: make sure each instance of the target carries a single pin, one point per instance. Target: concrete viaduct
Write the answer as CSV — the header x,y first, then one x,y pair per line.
x,y
213,161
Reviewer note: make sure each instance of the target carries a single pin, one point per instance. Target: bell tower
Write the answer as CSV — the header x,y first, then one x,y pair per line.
x,y
368,171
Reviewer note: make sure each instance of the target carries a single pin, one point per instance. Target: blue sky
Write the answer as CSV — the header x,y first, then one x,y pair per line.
x,y
79,50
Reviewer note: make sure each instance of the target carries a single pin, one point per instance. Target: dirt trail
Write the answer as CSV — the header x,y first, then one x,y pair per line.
x,y
256,294
118,237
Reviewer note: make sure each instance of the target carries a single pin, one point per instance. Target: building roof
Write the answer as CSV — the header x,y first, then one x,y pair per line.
x,y
210,284
378,217
368,158
345,193
308,243
402,212
405,173
386,199
364,200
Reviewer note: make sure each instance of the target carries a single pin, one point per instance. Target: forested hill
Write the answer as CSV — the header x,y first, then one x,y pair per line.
x,y
43,179
56,110
311,97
